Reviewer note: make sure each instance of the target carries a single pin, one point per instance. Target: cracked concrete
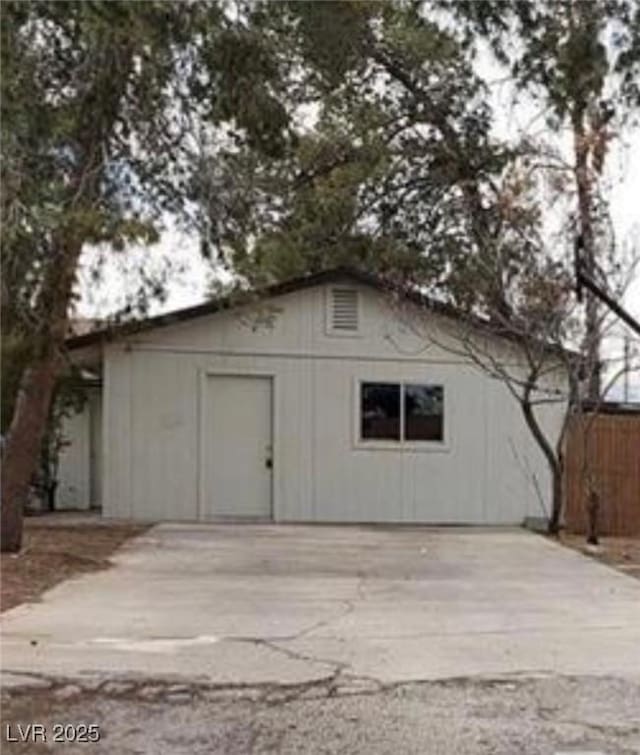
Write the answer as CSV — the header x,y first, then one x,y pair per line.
x,y
298,605
539,716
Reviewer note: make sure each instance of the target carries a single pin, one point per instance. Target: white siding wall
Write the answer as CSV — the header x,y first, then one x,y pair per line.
x,y
80,469
73,491
151,430
95,447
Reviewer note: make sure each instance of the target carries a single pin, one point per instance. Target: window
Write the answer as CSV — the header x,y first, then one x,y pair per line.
x,y
423,412
421,418
380,411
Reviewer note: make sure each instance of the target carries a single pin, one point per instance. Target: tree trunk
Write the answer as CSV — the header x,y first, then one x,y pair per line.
x,y
591,344
593,515
51,495
23,444
35,393
554,460
557,500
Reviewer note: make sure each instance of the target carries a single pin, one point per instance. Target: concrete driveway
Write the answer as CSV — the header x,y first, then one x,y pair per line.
x,y
368,605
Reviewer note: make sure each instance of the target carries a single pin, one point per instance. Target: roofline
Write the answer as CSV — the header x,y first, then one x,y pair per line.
x,y
629,408
301,283
218,305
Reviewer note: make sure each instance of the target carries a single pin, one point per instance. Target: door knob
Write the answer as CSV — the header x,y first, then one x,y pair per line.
x,y
268,463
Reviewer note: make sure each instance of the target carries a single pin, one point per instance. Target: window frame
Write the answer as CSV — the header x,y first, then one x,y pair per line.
x,y
401,445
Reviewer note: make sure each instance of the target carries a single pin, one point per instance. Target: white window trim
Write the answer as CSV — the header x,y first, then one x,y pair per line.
x,y
399,446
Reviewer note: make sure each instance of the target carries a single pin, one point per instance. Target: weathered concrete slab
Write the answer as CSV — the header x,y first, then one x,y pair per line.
x,y
252,604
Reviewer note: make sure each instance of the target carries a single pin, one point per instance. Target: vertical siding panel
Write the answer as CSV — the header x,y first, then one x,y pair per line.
x,y
74,487
107,419
116,419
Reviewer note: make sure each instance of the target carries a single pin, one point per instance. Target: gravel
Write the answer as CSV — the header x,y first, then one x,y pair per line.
x,y
543,715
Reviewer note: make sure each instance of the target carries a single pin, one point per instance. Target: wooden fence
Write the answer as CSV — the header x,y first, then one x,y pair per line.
x,y
613,452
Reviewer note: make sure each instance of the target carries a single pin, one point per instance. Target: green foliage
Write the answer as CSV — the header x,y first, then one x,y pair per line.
x,y
243,61
16,354
569,54
98,102
100,105
331,37
393,165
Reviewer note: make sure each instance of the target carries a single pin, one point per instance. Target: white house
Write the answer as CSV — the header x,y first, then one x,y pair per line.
x,y
326,401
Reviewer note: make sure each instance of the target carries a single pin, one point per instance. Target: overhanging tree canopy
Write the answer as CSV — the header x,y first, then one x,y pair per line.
x,y
99,102
394,166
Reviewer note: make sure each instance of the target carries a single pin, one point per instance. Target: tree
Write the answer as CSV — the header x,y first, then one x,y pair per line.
x,y
99,100
538,366
580,60
533,350
393,162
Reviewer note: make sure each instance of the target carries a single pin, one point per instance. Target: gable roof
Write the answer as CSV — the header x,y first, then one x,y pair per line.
x,y
334,275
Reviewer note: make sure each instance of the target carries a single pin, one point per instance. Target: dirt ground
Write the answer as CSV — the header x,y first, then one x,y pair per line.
x,y
54,549
621,552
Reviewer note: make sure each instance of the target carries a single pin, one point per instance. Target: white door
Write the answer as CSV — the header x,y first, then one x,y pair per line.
x,y
237,447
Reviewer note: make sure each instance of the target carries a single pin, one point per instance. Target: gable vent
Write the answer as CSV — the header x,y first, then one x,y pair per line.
x,y
344,310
